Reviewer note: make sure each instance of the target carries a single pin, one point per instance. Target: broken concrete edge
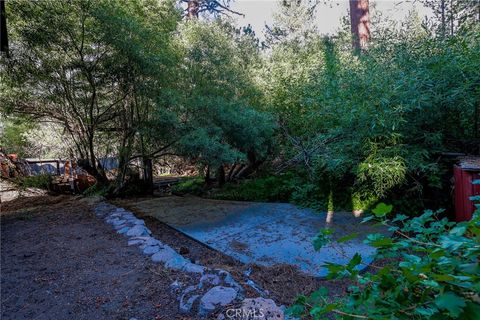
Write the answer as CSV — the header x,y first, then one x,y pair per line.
x,y
222,288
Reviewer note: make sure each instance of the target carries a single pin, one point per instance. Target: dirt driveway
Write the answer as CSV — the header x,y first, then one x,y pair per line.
x,y
58,261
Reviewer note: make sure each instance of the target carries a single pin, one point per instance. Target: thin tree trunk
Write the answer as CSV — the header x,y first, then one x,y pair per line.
x,y
192,9
360,23
230,172
148,174
442,4
221,175
3,29
207,175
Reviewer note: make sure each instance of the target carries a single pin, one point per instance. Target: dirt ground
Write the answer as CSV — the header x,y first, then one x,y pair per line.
x,y
282,282
58,261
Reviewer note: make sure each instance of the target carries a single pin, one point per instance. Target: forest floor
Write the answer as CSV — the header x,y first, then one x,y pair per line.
x,y
59,261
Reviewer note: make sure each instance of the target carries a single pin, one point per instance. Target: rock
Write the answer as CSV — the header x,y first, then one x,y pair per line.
x,y
188,290
143,238
177,262
261,309
186,306
135,242
111,220
123,230
218,296
120,226
229,280
137,231
118,222
152,242
151,250
193,268
209,279
164,255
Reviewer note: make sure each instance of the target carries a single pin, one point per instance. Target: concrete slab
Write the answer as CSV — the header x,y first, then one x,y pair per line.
x,y
262,233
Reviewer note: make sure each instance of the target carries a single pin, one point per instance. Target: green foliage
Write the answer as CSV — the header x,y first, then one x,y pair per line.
x,y
126,79
222,122
13,136
431,272
375,123
271,188
190,185
41,181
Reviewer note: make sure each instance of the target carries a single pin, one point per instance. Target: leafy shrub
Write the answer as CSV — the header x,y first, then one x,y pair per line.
x,y
191,185
41,181
433,272
271,188
376,122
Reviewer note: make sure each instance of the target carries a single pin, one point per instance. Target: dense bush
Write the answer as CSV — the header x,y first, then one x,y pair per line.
x,y
430,271
271,188
377,122
191,185
41,181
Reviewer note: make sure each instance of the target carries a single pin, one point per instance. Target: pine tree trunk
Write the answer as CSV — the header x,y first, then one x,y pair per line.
x,y
360,23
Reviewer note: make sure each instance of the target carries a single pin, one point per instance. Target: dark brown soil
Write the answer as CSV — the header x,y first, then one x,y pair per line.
x,y
59,261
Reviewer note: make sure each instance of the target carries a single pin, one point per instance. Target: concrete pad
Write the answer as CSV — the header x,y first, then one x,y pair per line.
x,y
263,233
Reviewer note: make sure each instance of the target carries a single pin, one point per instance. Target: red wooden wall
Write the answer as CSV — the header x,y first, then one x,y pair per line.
x,y
464,189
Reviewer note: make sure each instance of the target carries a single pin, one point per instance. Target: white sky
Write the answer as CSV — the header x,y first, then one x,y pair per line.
x,y
259,12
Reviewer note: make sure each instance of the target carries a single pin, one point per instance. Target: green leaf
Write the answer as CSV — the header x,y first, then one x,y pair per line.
x,y
322,238
378,240
452,242
451,302
355,261
400,217
368,218
296,310
382,209
316,296
471,311
427,312
348,237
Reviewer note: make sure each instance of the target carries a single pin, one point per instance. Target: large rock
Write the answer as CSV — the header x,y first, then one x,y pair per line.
x,y
137,231
123,230
260,309
218,296
177,262
151,250
193,268
165,254
118,222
